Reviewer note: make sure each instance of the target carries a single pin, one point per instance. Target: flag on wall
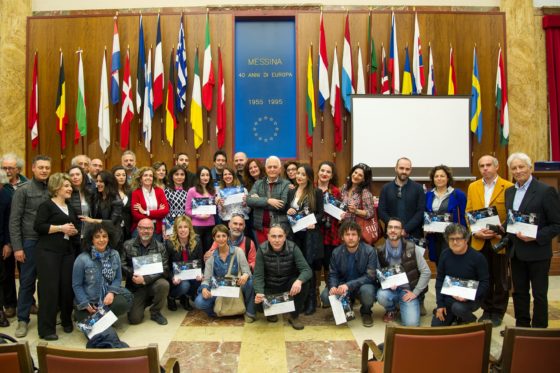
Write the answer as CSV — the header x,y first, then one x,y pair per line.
x,y
336,103
157,87
417,61
394,69
148,105
181,67
207,70
81,119
385,89
115,64
103,119
501,100
196,106
347,87
61,115
431,91
502,110
407,77
170,119
323,68
127,110
310,101
221,104
361,86
140,69
33,116
476,102
372,60
452,84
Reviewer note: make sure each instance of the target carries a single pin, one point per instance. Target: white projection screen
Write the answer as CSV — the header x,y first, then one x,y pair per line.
x,y
429,130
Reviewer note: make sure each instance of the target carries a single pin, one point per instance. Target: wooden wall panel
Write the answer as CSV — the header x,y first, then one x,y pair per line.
x,y
93,32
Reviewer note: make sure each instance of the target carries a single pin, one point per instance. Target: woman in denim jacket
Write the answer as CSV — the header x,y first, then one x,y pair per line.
x,y
96,278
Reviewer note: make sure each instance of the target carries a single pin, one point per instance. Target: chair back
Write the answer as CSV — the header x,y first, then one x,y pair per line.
x,y
531,350
460,349
16,358
123,360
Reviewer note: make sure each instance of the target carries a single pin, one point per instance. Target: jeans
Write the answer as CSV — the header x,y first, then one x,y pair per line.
x,y
457,311
27,280
183,288
207,305
410,311
366,293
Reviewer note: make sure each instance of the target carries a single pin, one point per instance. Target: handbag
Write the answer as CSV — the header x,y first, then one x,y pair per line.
x,y
371,231
225,306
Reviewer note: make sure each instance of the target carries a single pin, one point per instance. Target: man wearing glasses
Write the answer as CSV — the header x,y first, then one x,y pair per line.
x,y
12,164
463,263
152,287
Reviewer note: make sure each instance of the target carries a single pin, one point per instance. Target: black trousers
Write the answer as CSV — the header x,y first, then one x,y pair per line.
x,y
54,274
9,281
530,276
496,300
299,299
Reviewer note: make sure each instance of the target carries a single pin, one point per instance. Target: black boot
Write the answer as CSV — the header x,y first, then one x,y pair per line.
x,y
311,301
3,320
171,305
184,300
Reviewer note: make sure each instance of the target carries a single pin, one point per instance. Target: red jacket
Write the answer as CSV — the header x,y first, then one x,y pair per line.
x,y
157,215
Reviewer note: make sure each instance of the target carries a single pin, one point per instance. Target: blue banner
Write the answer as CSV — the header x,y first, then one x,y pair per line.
x,y
265,88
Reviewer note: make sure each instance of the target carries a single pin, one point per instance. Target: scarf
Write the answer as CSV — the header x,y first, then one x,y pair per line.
x,y
393,256
106,268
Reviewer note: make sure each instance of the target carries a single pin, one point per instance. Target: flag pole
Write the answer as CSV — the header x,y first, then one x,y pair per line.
x,y
63,132
118,105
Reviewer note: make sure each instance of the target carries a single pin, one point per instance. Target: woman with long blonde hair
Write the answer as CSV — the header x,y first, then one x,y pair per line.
x,y
183,246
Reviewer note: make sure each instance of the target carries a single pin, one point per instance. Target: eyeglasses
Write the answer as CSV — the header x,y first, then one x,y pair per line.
x,y
145,228
9,168
455,239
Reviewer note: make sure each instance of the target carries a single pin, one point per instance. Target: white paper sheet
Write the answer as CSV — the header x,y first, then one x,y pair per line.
x,y
337,310
189,274
204,210
102,324
304,223
395,280
333,211
529,230
481,223
279,308
234,199
226,291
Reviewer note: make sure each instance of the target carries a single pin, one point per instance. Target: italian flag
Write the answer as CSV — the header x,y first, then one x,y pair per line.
x,y
501,101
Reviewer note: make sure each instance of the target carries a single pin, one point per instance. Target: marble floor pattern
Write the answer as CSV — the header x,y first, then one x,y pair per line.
x,y
225,345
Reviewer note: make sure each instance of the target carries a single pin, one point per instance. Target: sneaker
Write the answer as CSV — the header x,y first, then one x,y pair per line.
x,y
273,318
21,330
158,317
296,324
389,316
34,309
171,304
485,316
423,311
50,337
249,319
9,312
367,320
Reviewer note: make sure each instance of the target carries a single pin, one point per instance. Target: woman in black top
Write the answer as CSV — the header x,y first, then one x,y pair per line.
x,y
106,204
183,246
305,199
119,172
56,224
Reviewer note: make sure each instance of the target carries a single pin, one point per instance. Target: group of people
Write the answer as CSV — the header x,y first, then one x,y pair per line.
x,y
80,234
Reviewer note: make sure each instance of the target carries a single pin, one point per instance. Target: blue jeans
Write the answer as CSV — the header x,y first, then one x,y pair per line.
x,y
183,289
366,293
27,280
207,305
410,311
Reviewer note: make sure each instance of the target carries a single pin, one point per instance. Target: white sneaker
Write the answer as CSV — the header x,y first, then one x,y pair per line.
x,y
21,330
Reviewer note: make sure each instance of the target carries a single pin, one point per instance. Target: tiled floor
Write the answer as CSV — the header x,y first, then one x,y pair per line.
x,y
228,345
